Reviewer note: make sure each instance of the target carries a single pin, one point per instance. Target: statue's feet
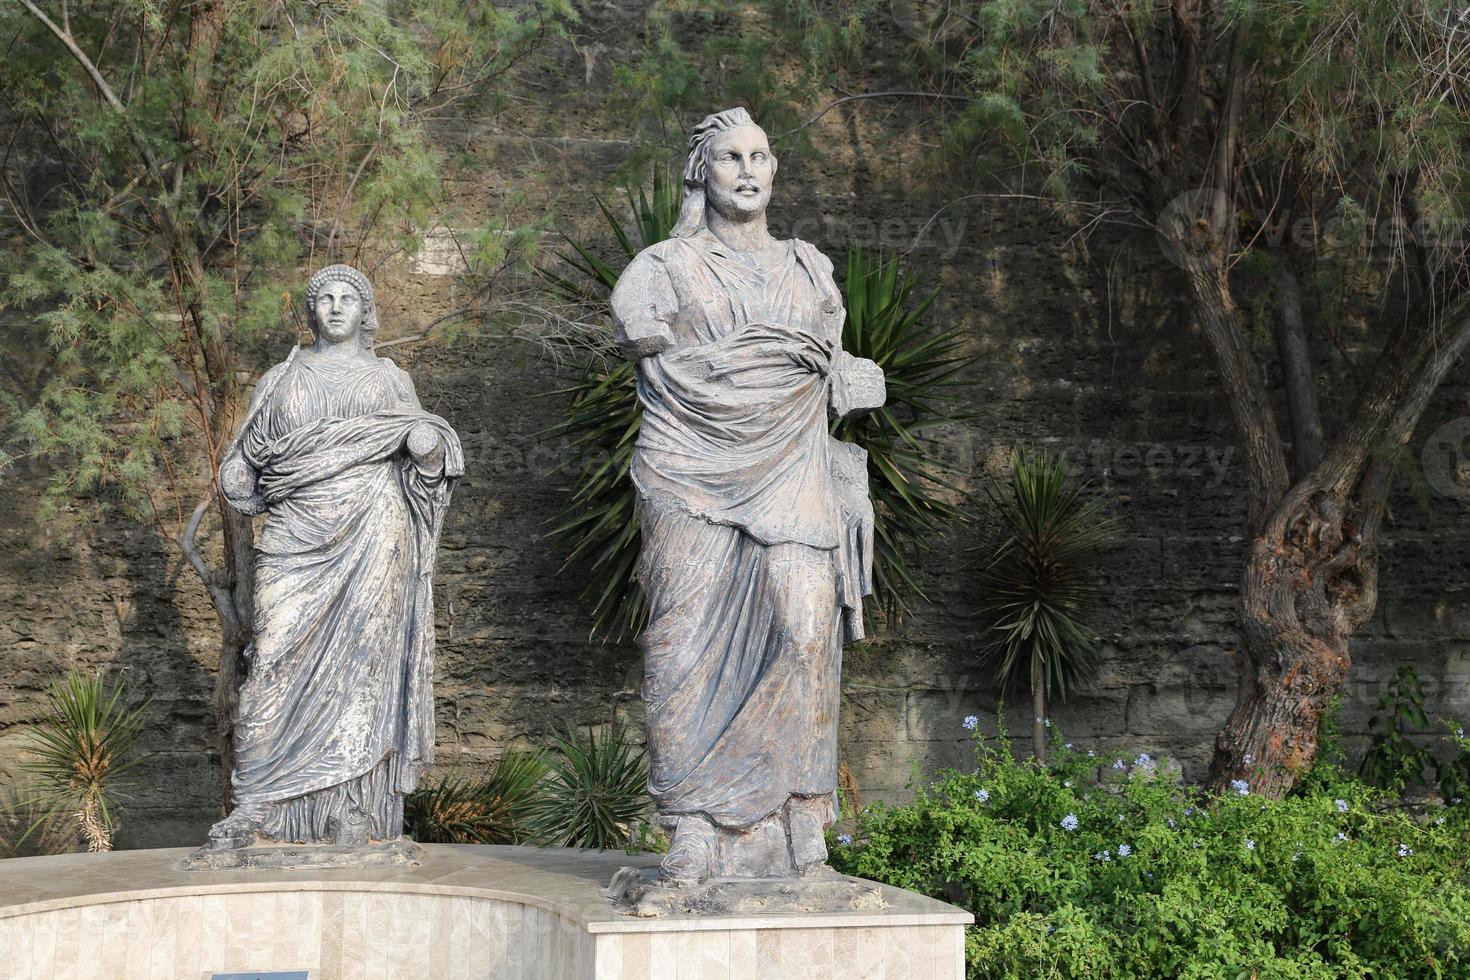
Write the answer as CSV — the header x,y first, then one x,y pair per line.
x,y
239,829
691,853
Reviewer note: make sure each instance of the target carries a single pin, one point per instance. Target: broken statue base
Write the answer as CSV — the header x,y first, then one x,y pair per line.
x,y
274,855
639,892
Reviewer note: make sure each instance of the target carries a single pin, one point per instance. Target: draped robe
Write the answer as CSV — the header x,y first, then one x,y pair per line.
x,y
756,526
336,714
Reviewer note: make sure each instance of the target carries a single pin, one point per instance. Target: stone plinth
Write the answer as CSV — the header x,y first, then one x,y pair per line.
x,y
480,912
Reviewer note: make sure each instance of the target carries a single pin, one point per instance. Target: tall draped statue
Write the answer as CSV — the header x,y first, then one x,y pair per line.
x,y
336,715
757,526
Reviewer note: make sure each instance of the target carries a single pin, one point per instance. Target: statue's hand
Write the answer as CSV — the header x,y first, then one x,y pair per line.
x,y
236,479
424,445
238,483
857,386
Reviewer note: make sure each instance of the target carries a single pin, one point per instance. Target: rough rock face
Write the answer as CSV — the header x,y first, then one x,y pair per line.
x,y
1114,373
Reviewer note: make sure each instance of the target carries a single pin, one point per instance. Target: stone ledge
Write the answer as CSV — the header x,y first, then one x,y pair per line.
x,y
464,912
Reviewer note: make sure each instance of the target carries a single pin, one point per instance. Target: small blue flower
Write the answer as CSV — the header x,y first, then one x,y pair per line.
x,y
1439,821
1118,763
971,723
1405,850
1069,745
1067,783
844,839
1069,822
1103,856
1124,850
1241,787
1341,837
1250,845
1249,759
1093,755
1170,822
1342,805
982,795
1459,733
1142,760
1048,723
1189,811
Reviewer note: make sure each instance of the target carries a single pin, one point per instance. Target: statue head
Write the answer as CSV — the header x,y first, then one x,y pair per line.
x,y
730,168
339,303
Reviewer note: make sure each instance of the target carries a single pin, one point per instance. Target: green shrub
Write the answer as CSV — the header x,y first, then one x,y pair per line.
x,y
1103,867
595,795
461,810
80,750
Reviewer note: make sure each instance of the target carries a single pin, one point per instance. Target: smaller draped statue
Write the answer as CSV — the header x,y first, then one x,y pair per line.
x,y
336,715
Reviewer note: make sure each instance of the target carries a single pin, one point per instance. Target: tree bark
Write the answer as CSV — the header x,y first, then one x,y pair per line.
x,y
1311,574
1296,370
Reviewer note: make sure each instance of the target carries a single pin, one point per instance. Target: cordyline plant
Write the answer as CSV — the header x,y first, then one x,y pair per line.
x,y
171,167
1301,163
490,810
595,793
83,745
1039,588
911,488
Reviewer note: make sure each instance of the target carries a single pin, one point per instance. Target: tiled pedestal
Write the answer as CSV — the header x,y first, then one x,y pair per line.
x,y
508,913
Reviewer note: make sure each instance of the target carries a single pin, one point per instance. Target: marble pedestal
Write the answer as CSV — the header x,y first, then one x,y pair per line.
x,y
509,913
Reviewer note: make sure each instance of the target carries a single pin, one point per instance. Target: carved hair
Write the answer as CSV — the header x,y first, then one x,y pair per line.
x,y
359,282
696,166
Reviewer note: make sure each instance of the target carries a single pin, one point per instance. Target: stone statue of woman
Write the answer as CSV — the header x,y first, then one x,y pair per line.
x,y
336,715
756,523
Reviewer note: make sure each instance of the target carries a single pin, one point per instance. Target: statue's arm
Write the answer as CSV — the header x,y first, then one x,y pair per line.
x,y
644,308
857,382
237,475
423,443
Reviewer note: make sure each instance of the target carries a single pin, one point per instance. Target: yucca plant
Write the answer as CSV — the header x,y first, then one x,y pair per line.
x,y
492,810
1039,591
82,748
596,794
884,323
28,829
600,519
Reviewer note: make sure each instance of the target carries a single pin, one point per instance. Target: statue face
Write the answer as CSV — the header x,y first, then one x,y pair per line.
x,y
741,169
338,311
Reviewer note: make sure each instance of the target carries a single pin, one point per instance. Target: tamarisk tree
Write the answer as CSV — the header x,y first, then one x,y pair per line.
x,y
169,166
1280,149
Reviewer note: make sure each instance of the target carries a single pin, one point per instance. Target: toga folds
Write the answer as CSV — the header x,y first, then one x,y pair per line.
x,y
756,524
336,714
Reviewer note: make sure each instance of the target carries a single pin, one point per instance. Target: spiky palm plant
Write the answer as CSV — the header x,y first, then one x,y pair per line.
x,y
82,748
884,323
492,810
600,519
596,793
1038,591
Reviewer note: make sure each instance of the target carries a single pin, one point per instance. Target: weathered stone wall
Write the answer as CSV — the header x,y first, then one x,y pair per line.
x,y
1096,357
